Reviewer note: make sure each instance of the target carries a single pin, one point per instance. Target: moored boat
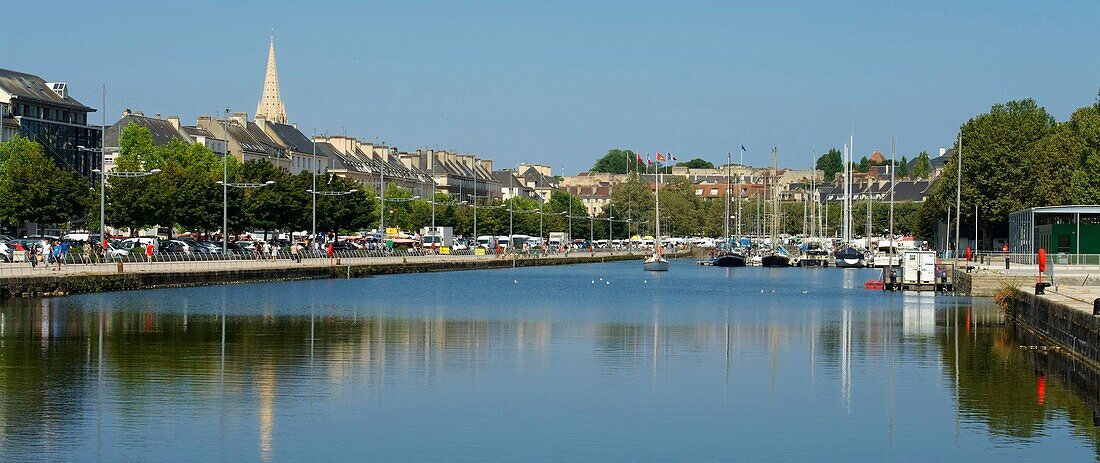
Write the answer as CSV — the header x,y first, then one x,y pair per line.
x,y
849,257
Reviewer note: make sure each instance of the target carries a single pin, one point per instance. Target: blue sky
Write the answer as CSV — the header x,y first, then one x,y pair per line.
x,y
560,82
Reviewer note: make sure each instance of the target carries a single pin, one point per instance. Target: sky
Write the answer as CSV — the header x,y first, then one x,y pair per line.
x,y
561,82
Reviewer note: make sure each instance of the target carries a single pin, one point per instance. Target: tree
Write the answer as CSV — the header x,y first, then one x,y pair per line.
x,y
864,165
35,189
696,163
903,167
616,161
1085,124
633,201
831,163
1000,164
923,166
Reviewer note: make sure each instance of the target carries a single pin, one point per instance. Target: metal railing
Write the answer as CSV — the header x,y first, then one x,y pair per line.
x,y
77,263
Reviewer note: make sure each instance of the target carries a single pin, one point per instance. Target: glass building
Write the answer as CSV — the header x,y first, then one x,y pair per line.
x,y
44,112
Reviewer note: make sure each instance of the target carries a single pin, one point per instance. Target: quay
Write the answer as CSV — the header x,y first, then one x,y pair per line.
x,y
1063,316
21,281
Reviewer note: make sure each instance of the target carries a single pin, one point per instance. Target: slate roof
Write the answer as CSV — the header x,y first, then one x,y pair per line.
x,y
536,179
34,88
162,130
291,137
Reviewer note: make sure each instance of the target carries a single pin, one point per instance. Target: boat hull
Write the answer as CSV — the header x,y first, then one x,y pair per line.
x,y
775,260
655,265
849,258
729,260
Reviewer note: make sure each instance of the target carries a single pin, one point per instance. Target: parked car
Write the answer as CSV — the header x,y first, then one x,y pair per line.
x,y
7,252
173,247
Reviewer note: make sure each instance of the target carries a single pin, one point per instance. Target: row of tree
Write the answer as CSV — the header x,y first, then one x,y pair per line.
x,y
832,162
1014,157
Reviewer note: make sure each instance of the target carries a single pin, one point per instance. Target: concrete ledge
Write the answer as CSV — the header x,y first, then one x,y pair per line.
x,y
59,285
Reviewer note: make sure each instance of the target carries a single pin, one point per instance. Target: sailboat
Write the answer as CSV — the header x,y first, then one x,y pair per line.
x,y
730,256
847,256
656,261
777,256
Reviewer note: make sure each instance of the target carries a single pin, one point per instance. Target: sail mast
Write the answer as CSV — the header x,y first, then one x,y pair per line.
x,y
729,159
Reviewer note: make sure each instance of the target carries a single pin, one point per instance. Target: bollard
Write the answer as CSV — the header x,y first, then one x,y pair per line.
x,y
120,266
1007,260
1040,288
1096,306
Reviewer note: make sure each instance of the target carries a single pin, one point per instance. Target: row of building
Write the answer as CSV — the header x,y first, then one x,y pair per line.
x,y
44,111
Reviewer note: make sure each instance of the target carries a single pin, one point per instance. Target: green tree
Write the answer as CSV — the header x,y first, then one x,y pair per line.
x,y
633,201
696,163
616,161
903,167
1085,124
831,163
35,189
864,165
923,166
999,166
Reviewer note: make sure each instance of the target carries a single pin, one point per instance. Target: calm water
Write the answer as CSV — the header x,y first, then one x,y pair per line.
x,y
581,363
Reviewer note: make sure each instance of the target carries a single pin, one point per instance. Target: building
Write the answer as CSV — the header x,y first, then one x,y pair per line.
x,y
374,165
245,140
511,186
594,197
539,178
161,130
271,106
44,112
464,177
297,146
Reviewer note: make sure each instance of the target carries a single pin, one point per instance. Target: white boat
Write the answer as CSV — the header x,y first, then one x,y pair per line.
x,y
656,262
886,255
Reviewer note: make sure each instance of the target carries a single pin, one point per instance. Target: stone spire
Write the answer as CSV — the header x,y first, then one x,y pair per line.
x,y
271,105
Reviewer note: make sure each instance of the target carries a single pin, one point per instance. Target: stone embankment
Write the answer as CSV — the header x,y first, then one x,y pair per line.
x,y
1063,318
136,276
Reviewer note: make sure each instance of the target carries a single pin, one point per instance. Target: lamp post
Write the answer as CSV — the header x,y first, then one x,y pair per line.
x,y
315,193
102,185
382,193
102,197
225,206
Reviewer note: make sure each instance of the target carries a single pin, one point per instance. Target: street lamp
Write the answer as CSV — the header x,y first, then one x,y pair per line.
x,y
316,193
103,191
225,204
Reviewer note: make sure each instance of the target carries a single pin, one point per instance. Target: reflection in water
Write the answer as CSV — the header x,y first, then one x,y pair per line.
x,y
240,380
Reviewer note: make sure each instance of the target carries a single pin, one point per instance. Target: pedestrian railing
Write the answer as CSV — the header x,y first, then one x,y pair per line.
x,y
172,262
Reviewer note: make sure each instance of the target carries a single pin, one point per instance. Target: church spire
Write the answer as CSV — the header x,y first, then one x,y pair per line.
x,y
271,104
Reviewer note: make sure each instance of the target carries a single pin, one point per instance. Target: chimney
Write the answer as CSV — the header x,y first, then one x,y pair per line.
x,y
203,119
139,113
175,122
486,164
240,118
943,151
126,112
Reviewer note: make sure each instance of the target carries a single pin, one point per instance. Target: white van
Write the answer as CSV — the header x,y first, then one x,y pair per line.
x,y
487,241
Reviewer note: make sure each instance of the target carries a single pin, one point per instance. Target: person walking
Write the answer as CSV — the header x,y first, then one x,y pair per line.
x,y
274,251
149,252
32,256
294,254
87,248
330,252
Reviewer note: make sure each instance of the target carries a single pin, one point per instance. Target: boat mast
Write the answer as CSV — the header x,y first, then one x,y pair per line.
x,y
775,198
893,167
844,232
729,159
657,208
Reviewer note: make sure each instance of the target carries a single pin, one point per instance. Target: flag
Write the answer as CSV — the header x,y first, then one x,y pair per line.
x,y
743,148
670,156
648,160
660,157
639,157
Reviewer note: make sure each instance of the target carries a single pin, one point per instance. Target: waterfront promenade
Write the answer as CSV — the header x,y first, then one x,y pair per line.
x,y
20,279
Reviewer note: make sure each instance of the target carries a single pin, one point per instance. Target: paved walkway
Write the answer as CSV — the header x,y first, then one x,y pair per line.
x,y
17,270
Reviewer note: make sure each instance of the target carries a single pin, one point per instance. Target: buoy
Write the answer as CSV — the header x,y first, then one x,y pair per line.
x,y
761,290
645,281
593,281
607,282
805,292
515,281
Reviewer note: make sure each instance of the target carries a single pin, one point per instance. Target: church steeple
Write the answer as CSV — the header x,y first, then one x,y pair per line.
x,y
271,104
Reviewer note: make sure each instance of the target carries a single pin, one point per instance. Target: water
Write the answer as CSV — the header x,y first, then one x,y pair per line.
x,y
579,363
